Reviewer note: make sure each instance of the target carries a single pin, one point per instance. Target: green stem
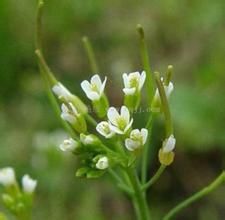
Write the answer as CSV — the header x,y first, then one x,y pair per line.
x,y
146,64
46,73
165,105
121,184
212,186
91,55
139,198
145,154
154,178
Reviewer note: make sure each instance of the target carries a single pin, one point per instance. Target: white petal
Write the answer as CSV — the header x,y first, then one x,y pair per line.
x,y
134,75
169,89
104,129
129,91
169,144
134,133
128,126
69,118
28,184
124,112
144,133
96,80
125,80
103,86
7,176
64,108
93,96
112,115
101,128
116,130
85,85
111,134
103,163
68,145
131,145
142,80
61,91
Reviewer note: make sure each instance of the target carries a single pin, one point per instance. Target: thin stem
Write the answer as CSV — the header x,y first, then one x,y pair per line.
x,y
146,64
91,55
47,76
165,105
38,43
120,183
144,165
139,198
154,178
212,186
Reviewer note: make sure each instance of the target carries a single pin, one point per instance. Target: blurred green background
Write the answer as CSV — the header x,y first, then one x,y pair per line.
x,y
188,34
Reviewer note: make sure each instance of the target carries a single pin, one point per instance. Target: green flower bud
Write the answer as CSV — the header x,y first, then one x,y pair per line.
x,y
82,171
90,140
95,174
8,201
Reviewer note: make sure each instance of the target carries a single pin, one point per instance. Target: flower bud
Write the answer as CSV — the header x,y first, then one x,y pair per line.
x,y
8,200
89,140
65,95
71,115
28,184
156,102
104,129
69,145
102,163
82,171
137,139
166,154
7,176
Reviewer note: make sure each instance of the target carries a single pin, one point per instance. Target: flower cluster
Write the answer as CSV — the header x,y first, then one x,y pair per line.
x,y
115,136
18,200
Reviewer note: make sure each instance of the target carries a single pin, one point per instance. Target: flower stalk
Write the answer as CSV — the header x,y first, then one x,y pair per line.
x,y
205,191
114,144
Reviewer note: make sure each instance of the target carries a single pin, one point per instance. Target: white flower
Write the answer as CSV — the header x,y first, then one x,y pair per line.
x,y
103,163
104,129
69,145
133,82
169,144
62,92
28,184
137,139
7,176
119,123
69,113
95,88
